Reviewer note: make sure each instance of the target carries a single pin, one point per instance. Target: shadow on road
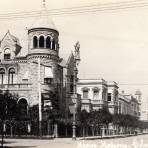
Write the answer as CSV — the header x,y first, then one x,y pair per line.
x,y
10,142
17,146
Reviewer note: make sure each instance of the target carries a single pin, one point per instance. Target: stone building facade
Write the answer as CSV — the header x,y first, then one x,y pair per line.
x,y
40,71
130,104
98,93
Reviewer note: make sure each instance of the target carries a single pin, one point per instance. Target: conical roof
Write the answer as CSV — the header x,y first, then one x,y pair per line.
x,y
43,20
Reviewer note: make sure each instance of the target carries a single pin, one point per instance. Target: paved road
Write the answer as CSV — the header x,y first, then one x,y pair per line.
x,y
140,141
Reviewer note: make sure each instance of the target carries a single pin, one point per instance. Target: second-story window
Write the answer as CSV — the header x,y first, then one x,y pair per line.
x,y
2,74
11,74
85,94
7,54
95,94
109,97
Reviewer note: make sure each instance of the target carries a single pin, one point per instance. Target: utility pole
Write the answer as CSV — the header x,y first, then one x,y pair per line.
x,y
40,100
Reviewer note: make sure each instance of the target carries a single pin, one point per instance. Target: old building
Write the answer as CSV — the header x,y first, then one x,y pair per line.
x,y
96,93
123,105
38,74
112,97
129,104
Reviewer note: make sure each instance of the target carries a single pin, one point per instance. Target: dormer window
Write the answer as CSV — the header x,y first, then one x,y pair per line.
x,y
7,54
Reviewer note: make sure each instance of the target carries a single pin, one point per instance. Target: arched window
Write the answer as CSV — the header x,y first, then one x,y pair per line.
x,y
41,42
53,44
48,42
23,107
11,75
35,42
2,74
7,54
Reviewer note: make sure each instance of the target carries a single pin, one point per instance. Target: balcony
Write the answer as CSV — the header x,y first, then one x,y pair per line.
x,y
14,87
85,101
98,102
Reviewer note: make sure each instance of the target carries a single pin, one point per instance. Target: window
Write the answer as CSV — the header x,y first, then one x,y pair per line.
x,y
11,74
48,75
35,42
109,97
47,80
2,74
71,83
41,42
53,44
48,42
95,94
7,54
85,94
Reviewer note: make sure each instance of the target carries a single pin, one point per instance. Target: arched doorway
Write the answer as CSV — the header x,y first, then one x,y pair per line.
x,y
23,107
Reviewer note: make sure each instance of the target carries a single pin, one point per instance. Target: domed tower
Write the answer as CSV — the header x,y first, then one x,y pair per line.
x,y
43,55
138,96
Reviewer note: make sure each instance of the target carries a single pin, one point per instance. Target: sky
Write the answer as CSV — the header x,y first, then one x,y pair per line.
x,y
114,45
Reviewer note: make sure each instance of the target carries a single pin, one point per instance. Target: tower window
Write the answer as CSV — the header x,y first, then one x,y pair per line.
x,y
35,42
53,44
48,42
2,74
7,54
11,76
41,42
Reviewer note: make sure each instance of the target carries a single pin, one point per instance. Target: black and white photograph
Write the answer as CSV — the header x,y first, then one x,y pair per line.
x,y
73,73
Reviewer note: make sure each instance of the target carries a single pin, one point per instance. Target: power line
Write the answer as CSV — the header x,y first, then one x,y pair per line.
x,y
79,10
134,84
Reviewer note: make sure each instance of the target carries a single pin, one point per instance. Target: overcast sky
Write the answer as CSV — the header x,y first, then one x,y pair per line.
x,y
114,45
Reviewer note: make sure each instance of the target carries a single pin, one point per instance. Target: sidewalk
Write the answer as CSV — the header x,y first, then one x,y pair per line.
x,y
106,137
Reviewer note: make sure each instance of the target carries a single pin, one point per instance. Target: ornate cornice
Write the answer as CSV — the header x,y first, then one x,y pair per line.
x,y
42,56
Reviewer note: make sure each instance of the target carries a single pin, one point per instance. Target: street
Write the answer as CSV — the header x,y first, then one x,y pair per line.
x,y
139,141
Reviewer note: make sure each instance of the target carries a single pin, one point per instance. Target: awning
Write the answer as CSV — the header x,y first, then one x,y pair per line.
x,y
25,77
48,72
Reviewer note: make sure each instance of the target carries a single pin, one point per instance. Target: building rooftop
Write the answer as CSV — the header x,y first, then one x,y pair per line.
x,y
43,20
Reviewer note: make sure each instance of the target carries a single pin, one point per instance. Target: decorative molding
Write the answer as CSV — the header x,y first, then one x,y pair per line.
x,y
85,89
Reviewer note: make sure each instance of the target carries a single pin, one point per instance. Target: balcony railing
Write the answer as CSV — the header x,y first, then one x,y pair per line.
x,y
14,86
85,101
98,101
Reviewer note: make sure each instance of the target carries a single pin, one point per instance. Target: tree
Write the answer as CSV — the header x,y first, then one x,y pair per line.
x,y
83,118
8,107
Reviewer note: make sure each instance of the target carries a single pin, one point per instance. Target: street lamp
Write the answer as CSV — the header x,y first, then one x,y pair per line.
x,y
73,105
72,109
